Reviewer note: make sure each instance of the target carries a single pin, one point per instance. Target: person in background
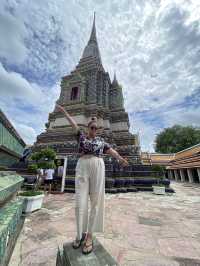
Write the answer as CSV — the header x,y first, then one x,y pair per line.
x,y
48,179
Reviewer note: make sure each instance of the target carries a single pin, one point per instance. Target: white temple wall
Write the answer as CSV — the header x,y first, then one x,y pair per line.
x,y
119,126
62,121
80,119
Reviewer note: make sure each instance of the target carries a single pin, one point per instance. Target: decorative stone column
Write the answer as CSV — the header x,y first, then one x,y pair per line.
x,y
182,174
172,173
189,172
170,176
198,171
176,175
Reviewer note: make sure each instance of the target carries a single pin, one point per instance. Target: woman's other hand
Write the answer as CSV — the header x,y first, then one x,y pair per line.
x,y
116,155
123,162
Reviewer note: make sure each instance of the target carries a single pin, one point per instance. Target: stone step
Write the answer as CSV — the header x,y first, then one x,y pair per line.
x,y
74,257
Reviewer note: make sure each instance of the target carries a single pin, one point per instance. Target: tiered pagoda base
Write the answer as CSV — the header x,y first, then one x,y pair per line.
x,y
125,184
63,141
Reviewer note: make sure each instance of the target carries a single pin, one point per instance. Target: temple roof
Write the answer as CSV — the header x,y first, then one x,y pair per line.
x,y
92,48
7,124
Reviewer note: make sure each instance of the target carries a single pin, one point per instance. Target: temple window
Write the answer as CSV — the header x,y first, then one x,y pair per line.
x,y
74,93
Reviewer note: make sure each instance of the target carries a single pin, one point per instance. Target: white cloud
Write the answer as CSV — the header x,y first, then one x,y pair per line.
x,y
14,85
13,33
183,116
25,103
27,133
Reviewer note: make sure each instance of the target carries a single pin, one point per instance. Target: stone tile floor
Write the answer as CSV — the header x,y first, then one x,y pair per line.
x,y
141,229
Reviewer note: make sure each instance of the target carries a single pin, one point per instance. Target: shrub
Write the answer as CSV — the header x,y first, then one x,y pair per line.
x,y
45,154
159,169
36,156
30,193
46,165
44,159
33,168
48,153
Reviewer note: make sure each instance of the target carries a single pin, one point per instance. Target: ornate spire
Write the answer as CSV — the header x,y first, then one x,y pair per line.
x,y
92,48
115,82
93,37
117,100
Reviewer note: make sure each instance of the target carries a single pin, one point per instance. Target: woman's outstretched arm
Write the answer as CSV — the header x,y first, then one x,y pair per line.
x,y
116,155
69,118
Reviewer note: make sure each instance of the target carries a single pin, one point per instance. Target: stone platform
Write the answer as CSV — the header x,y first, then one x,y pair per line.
x,y
74,257
141,229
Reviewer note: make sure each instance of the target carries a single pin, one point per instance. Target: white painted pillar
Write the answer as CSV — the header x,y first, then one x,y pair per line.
x,y
168,173
189,172
198,171
171,175
182,174
64,175
176,175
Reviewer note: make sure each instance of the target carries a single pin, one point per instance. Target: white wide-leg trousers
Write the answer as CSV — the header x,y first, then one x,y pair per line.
x,y
89,181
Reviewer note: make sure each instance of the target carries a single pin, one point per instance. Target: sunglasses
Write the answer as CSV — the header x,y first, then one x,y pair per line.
x,y
93,128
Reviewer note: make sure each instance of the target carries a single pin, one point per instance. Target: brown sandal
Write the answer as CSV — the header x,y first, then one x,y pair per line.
x,y
86,246
77,242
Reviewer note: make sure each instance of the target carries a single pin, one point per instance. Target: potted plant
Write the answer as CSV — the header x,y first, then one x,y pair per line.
x,y
158,188
33,198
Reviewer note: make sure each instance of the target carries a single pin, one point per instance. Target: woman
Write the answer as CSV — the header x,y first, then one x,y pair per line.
x,y
90,179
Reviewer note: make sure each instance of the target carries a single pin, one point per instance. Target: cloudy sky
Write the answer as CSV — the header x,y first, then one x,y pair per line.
x,y
154,46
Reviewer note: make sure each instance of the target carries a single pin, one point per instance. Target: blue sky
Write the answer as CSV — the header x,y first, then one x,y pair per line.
x,y
153,45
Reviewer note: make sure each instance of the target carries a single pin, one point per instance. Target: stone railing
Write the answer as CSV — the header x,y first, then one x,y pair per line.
x,y
9,184
11,218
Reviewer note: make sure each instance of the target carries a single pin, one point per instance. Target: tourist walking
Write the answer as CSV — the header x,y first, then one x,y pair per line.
x,y
48,179
90,181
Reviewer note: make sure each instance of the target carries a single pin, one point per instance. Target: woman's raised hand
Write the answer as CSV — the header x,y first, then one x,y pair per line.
x,y
68,116
60,108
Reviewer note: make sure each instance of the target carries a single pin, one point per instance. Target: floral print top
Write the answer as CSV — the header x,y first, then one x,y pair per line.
x,y
96,146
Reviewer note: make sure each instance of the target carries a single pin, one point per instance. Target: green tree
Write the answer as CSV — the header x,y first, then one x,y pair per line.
x,y
44,158
177,138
